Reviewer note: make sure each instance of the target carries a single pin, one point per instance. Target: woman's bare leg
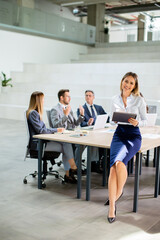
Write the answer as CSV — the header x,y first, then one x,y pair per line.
x,y
112,186
121,172
117,179
72,163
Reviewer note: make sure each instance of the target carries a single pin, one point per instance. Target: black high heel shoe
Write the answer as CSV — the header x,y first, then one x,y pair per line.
x,y
72,172
107,201
112,219
70,179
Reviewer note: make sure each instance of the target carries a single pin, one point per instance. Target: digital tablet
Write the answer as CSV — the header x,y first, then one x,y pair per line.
x,y
123,116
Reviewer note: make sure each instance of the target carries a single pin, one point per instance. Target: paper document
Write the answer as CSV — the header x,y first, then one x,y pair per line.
x,y
151,136
110,130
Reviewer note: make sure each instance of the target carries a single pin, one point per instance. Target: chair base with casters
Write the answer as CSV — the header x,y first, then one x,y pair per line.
x,y
48,156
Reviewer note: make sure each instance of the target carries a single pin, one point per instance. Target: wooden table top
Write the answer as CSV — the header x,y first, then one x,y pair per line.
x,y
103,137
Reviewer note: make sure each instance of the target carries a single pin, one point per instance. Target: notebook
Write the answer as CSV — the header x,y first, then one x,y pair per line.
x,y
99,123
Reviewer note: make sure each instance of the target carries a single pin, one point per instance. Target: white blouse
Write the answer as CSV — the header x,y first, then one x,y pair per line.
x,y
135,104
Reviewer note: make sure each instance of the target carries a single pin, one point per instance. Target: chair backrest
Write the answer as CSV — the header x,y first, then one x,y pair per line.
x,y
48,112
30,153
27,155
151,119
152,109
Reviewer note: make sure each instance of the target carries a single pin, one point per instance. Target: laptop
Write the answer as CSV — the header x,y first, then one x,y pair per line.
x,y
99,123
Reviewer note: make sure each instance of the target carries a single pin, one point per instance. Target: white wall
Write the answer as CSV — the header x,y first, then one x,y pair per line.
x,y
17,48
119,33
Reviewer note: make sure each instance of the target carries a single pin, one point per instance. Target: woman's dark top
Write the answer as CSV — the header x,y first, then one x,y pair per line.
x,y
36,126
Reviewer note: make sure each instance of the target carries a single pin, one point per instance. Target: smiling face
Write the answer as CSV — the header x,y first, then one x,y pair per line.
x,y
128,85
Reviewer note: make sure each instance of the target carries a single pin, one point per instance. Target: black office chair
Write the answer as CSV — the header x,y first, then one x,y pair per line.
x,y
47,156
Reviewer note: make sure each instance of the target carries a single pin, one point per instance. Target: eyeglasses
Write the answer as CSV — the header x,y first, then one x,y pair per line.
x,y
89,95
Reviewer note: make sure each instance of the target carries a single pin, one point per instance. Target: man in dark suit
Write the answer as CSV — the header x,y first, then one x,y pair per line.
x,y
90,113
90,110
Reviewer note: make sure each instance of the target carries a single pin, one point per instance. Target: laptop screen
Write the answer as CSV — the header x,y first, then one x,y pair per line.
x,y
100,121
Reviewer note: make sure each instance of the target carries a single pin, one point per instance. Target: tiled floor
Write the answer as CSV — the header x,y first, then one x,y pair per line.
x,y
54,213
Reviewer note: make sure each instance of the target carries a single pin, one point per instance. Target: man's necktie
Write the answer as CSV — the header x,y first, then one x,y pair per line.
x,y
93,112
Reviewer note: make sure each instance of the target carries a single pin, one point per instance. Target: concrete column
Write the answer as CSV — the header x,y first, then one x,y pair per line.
x,y
141,36
96,15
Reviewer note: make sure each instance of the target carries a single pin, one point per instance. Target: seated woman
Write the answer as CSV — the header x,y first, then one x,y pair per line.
x,y
127,138
37,126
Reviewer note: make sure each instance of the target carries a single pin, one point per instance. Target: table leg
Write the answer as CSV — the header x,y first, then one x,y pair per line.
x,y
104,168
128,168
108,163
159,185
88,185
155,157
147,159
40,148
156,191
79,166
132,165
140,168
136,184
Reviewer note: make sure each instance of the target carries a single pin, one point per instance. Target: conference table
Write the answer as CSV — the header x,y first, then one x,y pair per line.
x,y
102,138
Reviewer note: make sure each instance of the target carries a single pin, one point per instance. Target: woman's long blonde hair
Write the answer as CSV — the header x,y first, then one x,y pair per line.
x,y
135,91
36,103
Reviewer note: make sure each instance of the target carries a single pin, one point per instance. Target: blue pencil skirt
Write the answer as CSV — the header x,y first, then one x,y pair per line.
x,y
125,144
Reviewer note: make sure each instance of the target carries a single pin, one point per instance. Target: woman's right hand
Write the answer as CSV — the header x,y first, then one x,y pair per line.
x,y
60,130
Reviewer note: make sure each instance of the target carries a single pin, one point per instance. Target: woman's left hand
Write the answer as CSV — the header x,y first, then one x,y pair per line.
x,y
133,121
60,130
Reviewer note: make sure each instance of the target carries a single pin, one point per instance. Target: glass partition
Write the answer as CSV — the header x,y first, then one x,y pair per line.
x,y
42,23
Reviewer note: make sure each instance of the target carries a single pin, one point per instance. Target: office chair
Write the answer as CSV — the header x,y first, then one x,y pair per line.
x,y
152,108
151,117
47,156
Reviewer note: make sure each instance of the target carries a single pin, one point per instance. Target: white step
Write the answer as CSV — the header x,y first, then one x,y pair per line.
x,y
123,50
140,44
79,68
119,57
17,112
138,47
103,78
13,111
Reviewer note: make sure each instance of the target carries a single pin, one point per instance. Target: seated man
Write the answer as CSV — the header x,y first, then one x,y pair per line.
x,y
90,113
91,110
62,114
